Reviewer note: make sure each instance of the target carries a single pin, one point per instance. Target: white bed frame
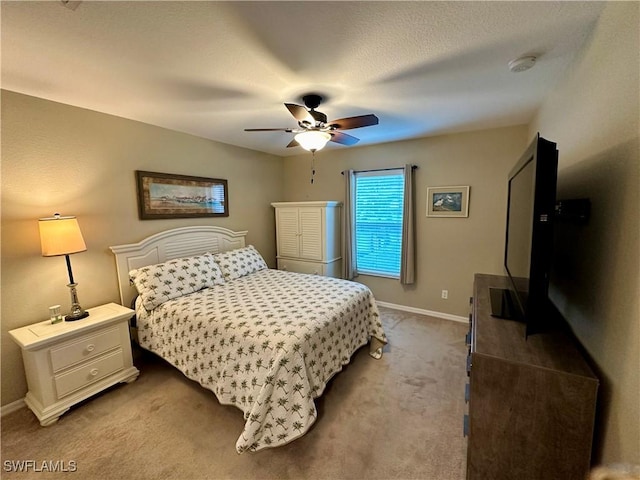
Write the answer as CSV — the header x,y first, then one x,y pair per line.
x,y
170,244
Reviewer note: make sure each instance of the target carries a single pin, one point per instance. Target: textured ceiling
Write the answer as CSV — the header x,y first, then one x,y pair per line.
x,y
214,68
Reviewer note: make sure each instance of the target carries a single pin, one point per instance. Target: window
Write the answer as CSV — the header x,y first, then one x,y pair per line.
x,y
378,206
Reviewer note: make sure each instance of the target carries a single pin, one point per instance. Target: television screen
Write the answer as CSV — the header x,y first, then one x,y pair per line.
x,y
529,236
520,230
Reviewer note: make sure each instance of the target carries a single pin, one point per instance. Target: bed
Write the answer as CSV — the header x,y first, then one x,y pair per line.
x,y
263,340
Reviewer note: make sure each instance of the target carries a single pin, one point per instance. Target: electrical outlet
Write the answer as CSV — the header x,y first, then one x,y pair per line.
x,y
445,294
71,4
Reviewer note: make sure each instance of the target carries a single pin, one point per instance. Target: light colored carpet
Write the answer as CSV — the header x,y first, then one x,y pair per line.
x,y
395,418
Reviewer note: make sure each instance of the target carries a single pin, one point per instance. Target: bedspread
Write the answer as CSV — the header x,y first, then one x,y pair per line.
x,y
267,343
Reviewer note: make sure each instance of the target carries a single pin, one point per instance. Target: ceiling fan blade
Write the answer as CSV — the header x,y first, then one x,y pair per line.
x,y
343,138
318,116
293,143
354,122
268,130
299,112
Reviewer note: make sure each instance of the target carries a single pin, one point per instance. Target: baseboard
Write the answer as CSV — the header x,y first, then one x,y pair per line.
x,y
421,311
12,407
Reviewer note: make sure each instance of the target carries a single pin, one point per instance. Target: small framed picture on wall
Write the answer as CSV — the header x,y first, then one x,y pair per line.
x,y
448,201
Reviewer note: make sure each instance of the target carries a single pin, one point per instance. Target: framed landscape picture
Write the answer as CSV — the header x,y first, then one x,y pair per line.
x,y
164,195
448,201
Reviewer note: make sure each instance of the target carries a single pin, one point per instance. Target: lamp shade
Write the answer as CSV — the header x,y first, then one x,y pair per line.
x,y
60,236
313,140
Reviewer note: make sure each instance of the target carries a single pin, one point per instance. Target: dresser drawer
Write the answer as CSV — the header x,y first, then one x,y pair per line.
x,y
88,373
301,266
84,348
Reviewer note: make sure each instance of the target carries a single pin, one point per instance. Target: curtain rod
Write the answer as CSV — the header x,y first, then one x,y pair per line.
x,y
413,167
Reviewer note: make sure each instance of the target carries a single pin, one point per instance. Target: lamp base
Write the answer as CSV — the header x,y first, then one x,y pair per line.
x,y
73,317
77,312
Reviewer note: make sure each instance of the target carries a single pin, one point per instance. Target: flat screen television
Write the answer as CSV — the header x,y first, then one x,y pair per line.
x,y
529,237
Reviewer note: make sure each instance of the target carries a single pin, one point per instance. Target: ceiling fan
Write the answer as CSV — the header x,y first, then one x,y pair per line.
x,y
313,131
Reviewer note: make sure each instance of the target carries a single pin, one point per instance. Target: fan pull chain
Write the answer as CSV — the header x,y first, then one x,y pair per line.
x,y
313,167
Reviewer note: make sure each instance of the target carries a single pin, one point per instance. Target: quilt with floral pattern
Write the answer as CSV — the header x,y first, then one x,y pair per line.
x,y
267,342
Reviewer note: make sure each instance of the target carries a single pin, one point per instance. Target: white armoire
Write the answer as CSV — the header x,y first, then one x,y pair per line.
x,y
308,237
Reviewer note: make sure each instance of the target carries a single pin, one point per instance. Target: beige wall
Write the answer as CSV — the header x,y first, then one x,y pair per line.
x,y
448,250
58,158
593,116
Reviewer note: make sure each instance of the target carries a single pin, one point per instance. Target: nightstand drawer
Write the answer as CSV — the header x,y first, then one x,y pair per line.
x,y
80,377
84,348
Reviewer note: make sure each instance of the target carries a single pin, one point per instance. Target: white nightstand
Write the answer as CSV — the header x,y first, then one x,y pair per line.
x,y
68,362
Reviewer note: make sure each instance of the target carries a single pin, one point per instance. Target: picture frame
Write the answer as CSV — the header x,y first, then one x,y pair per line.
x,y
165,195
448,201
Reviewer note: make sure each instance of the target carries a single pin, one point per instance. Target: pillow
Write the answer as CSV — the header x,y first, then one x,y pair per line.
x,y
159,283
240,262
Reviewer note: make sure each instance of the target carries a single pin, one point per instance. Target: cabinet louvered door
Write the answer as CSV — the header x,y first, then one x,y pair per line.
x,y
311,233
308,237
288,235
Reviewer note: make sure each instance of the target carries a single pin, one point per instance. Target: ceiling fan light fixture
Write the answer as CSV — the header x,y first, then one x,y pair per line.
x,y
313,140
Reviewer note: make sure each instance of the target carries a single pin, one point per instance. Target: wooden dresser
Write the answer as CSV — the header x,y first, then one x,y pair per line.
x,y
532,401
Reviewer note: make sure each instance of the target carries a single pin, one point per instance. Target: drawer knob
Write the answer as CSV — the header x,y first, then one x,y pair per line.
x,y
93,372
91,347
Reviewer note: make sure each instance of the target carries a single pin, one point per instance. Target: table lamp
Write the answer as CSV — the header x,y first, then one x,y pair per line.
x,y
62,236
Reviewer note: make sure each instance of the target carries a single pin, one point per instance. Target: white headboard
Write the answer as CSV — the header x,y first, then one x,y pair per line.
x,y
167,245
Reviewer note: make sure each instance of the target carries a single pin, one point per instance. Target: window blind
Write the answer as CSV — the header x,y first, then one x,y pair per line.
x,y
378,205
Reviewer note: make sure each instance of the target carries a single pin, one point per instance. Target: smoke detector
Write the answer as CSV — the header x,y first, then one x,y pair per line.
x,y
521,64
